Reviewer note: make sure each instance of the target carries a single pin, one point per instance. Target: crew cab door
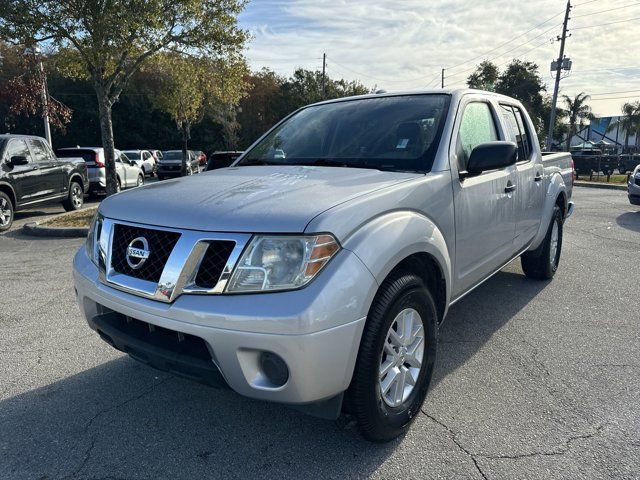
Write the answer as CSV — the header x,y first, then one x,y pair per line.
x,y
51,174
25,179
483,204
529,195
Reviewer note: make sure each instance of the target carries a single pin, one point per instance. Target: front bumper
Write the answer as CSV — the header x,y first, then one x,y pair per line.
x,y
315,330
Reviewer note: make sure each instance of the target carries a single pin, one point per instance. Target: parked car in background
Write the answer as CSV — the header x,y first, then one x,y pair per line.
x,y
316,272
202,158
171,164
128,173
157,155
32,174
222,159
144,159
633,188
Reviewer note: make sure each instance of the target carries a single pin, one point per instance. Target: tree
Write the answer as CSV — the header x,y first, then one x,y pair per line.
x,y
629,122
24,86
189,85
522,80
577,112
109,41
484,77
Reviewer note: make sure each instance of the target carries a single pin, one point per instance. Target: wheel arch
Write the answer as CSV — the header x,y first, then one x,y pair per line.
x,y
8,189
76,177
556,194
409,241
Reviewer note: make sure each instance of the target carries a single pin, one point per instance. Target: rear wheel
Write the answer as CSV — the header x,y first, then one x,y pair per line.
x,y
542,263
396,358
6,212
75,199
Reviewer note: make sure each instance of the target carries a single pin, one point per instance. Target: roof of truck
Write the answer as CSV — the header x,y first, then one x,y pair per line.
x,y
456,92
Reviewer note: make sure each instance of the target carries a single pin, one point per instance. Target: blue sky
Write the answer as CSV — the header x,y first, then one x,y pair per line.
x,y
403,44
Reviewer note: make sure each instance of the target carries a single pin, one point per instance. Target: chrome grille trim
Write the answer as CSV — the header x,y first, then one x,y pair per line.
x,y
180,271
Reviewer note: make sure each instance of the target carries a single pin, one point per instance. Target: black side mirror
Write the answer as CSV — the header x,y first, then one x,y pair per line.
x,y
18,160
492,155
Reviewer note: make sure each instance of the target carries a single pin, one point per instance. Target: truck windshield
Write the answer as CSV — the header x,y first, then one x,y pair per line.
x,y
385,133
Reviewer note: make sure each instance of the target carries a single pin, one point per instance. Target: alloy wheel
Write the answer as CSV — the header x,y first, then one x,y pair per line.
x,y
5,212
76,196
553,250
401,358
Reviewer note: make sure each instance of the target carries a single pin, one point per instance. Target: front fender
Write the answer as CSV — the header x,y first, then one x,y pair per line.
x,y
555,187
385,241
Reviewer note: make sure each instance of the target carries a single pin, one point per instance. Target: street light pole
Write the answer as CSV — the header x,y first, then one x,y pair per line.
x,y
45,97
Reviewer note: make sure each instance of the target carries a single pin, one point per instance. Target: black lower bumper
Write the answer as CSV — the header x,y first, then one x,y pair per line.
x,y
167,350
634,199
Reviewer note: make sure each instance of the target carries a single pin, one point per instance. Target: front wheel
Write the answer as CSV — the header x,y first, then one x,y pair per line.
x,y
542,263
396,358
75,198
6,212
140,181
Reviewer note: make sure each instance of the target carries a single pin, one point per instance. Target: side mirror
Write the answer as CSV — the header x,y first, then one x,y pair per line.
x,y
133,163
492,155
18,160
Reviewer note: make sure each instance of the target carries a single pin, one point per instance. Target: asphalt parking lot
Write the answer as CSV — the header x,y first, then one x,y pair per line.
x,y
534,380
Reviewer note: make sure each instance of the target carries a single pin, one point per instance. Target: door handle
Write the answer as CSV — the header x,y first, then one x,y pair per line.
x,y
35,167
538,177
509,188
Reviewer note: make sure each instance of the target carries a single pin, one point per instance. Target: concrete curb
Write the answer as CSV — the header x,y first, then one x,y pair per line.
x,y
607,186
36,229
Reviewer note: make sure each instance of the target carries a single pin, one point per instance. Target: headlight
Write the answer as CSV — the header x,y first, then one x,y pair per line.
x,y
93,239
281,262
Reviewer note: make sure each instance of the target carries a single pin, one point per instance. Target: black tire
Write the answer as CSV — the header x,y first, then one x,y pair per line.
x,y
377,420
538,264
6,212
160,178
75,198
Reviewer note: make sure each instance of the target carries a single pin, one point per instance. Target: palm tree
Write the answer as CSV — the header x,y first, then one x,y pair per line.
x,y
629,121
577,112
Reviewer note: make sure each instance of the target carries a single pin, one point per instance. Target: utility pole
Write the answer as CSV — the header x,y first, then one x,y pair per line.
x,y
552,119
442,81
324,75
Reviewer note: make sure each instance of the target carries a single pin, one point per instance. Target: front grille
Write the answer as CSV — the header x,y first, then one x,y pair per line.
x,y
161,244
213,262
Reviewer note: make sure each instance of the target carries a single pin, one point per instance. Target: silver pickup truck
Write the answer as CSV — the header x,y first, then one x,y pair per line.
x,y
317,269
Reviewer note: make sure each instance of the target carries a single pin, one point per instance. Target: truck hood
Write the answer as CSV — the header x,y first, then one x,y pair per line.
x,y
247,199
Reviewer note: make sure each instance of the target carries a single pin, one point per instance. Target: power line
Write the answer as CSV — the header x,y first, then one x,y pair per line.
x,y
509,41
613,93
605,11
380,79
603,24
509,51
614,98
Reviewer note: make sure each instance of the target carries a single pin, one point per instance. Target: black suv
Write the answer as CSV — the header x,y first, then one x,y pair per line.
x,y
30,174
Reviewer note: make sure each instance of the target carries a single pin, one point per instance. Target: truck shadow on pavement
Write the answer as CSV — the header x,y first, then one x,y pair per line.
x,y
122,419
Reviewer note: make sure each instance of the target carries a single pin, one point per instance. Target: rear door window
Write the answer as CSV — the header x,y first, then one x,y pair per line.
x,y
40,152
516,131
476,127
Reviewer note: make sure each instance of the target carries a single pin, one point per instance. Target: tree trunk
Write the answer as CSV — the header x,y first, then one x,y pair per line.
x,y
106,132
185,152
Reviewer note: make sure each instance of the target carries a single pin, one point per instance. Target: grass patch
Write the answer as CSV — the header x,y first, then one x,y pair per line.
x,y
81,218
618,179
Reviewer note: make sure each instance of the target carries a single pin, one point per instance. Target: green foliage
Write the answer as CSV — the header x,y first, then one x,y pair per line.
x,y
629,122
484,77
108,41
577,113
522,80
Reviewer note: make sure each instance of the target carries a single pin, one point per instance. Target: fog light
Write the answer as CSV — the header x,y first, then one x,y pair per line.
x,y
274,368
